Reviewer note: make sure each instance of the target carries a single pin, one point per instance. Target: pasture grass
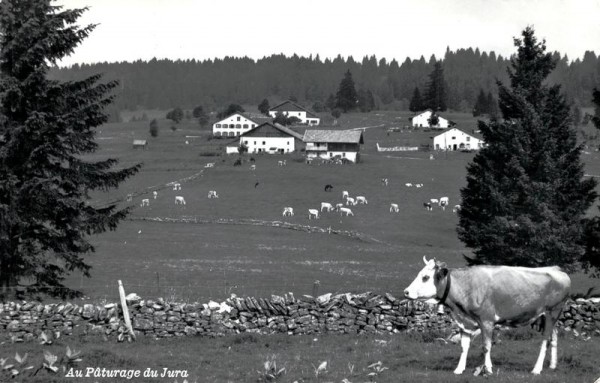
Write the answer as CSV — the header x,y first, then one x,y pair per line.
x,y
240,358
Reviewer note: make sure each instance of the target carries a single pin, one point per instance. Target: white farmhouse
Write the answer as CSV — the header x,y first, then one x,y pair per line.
x,y
422,121
456,139
270,138
235,125
291,109
328,144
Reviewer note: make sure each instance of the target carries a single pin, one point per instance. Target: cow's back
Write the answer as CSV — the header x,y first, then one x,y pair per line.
x,y
510,295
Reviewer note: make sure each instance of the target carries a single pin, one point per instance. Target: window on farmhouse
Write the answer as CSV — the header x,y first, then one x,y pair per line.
x,y
454,138
468,138
217,125
231,126
238,126
238,118
264,143
245,126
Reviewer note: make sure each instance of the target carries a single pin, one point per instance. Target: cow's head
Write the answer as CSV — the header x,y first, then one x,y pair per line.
x,y
425,284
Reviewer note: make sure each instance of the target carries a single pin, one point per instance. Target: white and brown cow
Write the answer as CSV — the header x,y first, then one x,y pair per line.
x,y
480,297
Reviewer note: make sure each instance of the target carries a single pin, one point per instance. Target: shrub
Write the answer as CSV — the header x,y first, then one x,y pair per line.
x,y
154,128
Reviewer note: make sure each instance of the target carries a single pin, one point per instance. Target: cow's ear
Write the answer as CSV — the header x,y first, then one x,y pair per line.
x,y
441,273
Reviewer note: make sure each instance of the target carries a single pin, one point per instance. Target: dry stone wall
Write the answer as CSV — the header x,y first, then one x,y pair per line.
x,y
343,313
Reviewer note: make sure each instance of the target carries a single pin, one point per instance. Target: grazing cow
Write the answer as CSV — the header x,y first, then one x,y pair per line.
x,y
313,213
384,181
408,185
210,165
179,200
252,167
326,205
444,202
155,194
176,186
361,199
428,206
339,206
345,194
129,197
394,208
145,202
213,194
347,211
288,211
456,209
350,201
328,187
419,185
480,297
434,201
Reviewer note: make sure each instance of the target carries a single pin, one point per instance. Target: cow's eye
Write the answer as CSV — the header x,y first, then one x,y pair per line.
x,y
426,278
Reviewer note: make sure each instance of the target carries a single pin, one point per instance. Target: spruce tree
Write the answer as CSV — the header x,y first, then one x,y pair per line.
x,y
264,107
481,106
591,259
436,95
46,130
525,199
416,103
346,97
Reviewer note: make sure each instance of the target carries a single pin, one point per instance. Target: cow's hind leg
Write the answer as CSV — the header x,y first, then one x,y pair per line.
x,y
550,332
465,342
487,331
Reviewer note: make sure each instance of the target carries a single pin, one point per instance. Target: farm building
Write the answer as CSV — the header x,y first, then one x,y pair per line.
x,y
329,144
140,144
269,138
422,121
291,109
456,139
236,124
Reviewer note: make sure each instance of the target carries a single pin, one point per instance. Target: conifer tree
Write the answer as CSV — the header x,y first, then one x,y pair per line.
x,y
46,130
481,106
264,107
416,103
525,199
436,95
346,97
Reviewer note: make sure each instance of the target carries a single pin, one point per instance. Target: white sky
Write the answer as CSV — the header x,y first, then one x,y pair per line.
x,y
184,29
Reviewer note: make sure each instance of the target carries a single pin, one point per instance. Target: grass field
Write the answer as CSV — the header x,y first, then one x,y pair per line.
x,y
404,358
210,261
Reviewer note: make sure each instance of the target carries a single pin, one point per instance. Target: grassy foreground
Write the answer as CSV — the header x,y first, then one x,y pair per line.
x,y
404,358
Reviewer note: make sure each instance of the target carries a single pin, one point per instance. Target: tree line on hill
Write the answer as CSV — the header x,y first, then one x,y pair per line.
x,y
166,84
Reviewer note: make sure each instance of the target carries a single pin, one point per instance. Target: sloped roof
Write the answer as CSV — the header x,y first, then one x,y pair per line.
x,y
290,106
256,119
476,135
279,127
339,136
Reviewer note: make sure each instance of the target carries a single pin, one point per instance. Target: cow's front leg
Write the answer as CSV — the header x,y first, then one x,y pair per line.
x,y
487,331
465,342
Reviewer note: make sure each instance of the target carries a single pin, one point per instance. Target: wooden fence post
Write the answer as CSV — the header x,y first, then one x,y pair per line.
x,y
125,310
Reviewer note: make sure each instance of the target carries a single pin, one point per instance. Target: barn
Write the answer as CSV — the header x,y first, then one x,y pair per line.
x,y
291,109
237,124
456,139
329,144
272,139
422,121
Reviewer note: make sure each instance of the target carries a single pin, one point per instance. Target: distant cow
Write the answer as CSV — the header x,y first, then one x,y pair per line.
x,y
362,200
179,200
252,167
129,197
281,163
350,201
480,297
394,208
313,213
347,211
456,209
444,202
408,185
145,202
176,186
345,194
213,194
328,187
210,165
155,194
428,206
338,206
288,211
434,201
419,185
327,206
384,181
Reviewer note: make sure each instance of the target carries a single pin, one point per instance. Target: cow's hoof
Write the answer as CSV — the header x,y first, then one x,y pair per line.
x,y
458,371
482,370
536,372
